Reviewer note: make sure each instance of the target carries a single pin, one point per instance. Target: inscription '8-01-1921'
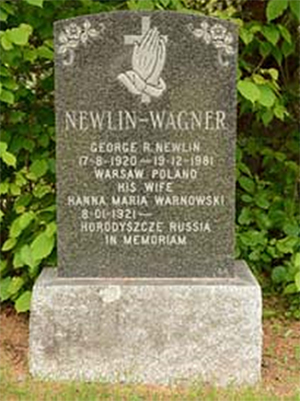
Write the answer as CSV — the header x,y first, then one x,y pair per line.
x,y
146,126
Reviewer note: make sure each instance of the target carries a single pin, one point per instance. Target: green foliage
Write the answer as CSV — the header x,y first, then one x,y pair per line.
x,y
249,90
23,302
276,8
268,229
26,150
268,172
38,3
267,169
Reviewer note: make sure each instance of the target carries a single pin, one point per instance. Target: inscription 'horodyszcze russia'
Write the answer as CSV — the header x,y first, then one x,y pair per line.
x,y
145,170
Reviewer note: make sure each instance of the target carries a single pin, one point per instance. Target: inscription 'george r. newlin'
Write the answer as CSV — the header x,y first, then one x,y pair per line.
x,y
146,142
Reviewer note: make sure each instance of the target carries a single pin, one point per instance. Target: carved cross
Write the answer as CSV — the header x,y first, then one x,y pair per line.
x,y
131,39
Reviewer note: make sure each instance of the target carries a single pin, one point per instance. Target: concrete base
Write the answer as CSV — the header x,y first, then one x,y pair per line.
x,y
161,331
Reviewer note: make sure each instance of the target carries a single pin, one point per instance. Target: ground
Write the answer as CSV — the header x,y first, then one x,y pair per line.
x,y
280,370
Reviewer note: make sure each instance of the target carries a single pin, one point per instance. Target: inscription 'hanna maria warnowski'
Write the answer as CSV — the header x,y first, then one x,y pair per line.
x,y
124,120
166,200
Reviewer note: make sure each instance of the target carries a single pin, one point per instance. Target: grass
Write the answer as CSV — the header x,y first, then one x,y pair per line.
x,y
280,370
32,390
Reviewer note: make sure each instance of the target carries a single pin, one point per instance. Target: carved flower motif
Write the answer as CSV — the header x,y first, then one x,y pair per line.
x,y
66,44
202,32
73,35
218,36
69,39
226,44
217,32
73,31
87,32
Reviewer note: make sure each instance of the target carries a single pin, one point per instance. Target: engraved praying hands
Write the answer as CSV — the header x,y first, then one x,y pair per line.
x,y
148,59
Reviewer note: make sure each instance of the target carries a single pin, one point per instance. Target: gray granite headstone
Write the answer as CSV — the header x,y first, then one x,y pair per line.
x,y
146,124
146,114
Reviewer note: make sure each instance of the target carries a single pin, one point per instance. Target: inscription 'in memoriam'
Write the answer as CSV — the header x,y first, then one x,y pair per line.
x,y
146,121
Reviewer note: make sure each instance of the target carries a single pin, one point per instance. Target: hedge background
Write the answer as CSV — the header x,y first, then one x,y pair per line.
x,y
267,218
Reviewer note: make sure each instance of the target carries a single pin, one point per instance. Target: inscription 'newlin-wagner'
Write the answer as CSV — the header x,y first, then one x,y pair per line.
x,y
123,120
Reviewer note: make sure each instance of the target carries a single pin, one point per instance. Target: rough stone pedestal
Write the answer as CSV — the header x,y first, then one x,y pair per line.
x,y
147,330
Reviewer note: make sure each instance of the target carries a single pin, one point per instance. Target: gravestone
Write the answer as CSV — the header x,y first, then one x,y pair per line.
x,y
145,155
146,287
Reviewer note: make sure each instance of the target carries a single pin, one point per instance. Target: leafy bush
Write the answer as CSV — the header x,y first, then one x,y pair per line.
x,y
267,169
